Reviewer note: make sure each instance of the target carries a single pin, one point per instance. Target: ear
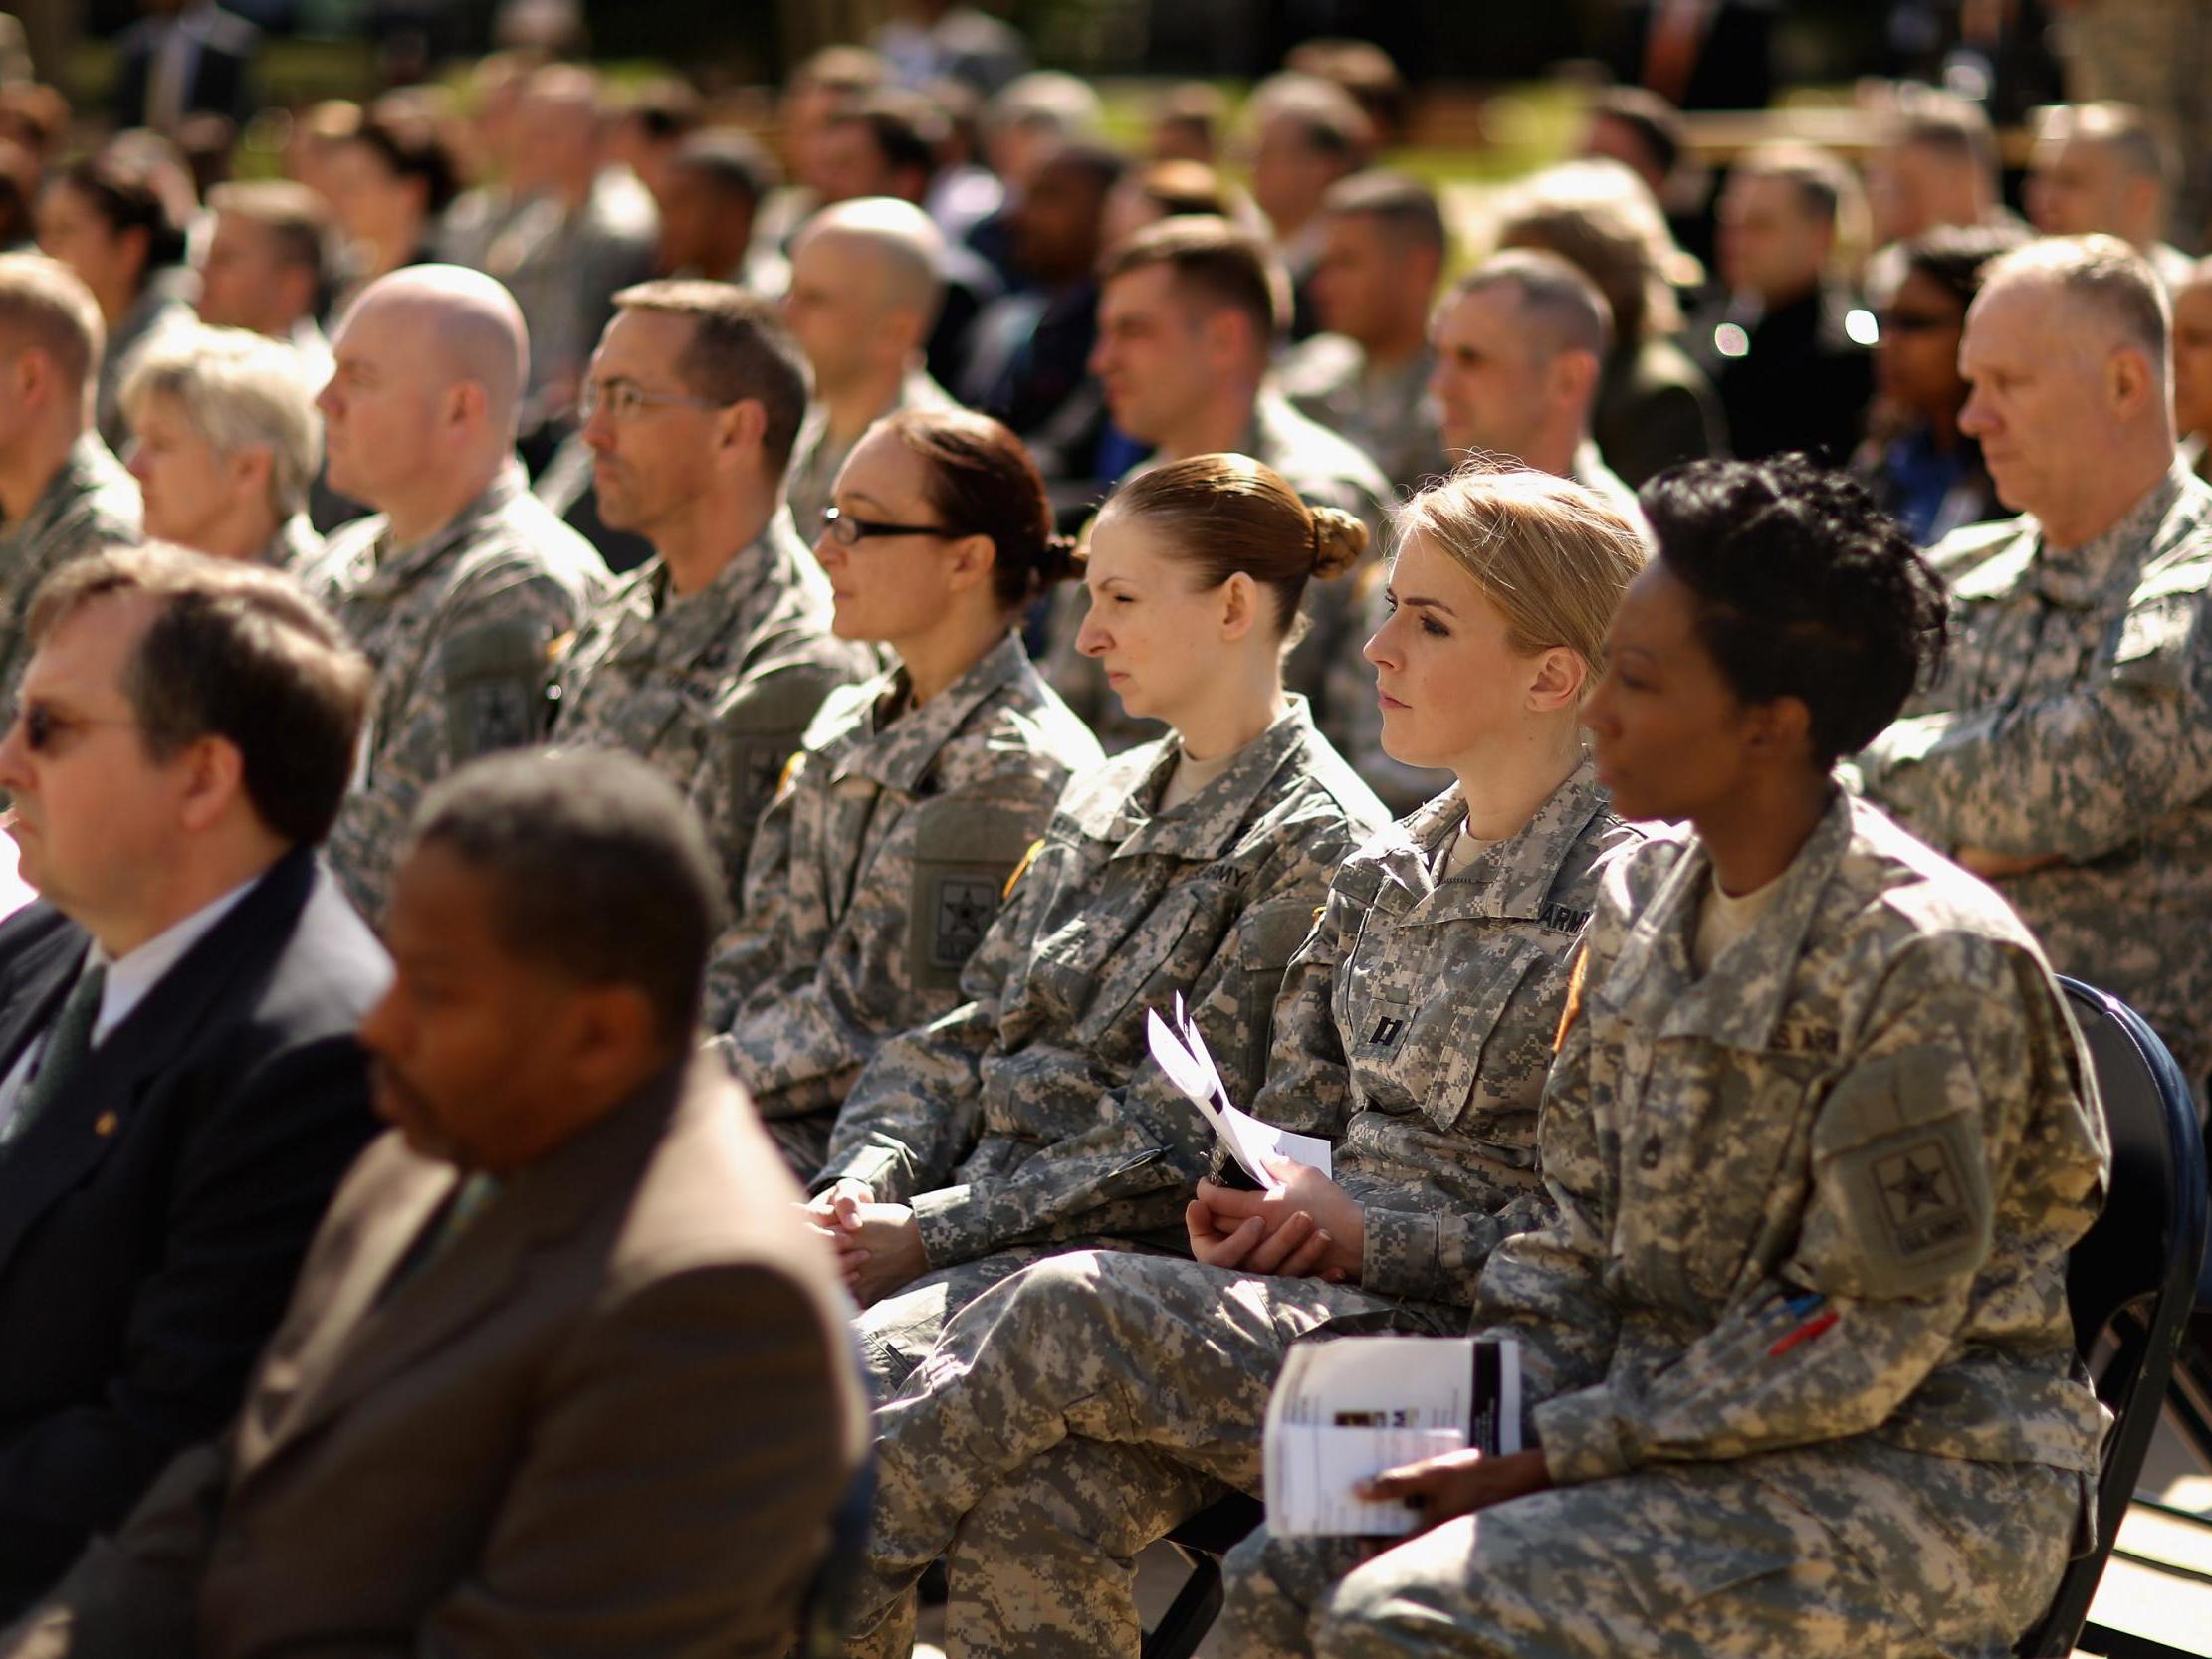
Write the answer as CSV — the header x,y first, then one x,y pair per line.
x,y
2129,384
1779,730
214,778
1226,338
465,404
1241,603
1558,681
611,1031
743,430
969,562
249,468
33,370
1574,379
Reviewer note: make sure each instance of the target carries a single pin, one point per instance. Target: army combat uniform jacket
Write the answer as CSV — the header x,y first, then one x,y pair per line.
x,y
2073,722
1096,1398
461,628
714,688
1814,1216
89,502
874,875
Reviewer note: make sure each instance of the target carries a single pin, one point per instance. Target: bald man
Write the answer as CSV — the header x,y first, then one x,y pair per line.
x,y
460,582
863,297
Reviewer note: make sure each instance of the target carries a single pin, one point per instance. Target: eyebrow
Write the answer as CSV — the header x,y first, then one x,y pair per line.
x,y
865,497
1417,602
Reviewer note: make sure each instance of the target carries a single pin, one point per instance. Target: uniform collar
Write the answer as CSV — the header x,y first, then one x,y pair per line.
x,y
1652,982
2079,578
1512,878
396,567
896,750
1210,821
687,626
86,467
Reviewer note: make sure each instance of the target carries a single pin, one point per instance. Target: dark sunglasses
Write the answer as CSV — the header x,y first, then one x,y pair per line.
x,y
1918,322
43,728
847,532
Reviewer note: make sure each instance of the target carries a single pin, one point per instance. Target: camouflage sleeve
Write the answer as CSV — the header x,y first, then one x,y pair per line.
x,y
751,953
913,1111
896,958
1906,1150
480,686
1545,1288
757,731
1308,1087
1131,1169
1436,1256
2075,776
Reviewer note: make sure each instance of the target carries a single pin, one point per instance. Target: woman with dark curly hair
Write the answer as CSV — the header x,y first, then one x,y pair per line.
x,y
1797,1370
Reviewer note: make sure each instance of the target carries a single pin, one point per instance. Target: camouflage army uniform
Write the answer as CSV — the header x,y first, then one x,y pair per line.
x,y
461,627
1326,665
1875,1097
1079,1410
874,875
296,548
1031,1119
89,504
2075,719
816,457
1389,417
714,688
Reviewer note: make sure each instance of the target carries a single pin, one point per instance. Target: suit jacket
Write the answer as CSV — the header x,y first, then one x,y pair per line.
x,y
612,1416
219,78
153,1217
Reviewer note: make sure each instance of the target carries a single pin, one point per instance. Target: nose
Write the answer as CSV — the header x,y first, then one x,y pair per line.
x,y
1092,639
1975,418
326,399
1597,708
1380,647
134,462
380,1026
829,552
15,760
1101,357
599,431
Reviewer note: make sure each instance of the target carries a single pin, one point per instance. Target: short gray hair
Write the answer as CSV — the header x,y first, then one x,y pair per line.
x,y
1563,302
2103,273
238,391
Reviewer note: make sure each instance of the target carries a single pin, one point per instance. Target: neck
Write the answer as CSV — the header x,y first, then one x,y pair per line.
x,y
1509,777
855,406
715,531
1755,836
575,190
387,252
2106,496
1243,701
115,301
1397,349
241,534
28,467
204,870
935,660
439,502
1216,428
1552,450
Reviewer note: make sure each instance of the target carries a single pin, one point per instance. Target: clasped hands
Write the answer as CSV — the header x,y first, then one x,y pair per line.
x,y
1308,1228
879,1247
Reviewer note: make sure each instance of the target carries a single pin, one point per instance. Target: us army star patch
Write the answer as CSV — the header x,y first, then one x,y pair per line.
x,y
963,908
1922,1198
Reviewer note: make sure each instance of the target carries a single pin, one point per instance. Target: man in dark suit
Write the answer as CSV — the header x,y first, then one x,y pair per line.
x,y
566,1371
180,1089
183,58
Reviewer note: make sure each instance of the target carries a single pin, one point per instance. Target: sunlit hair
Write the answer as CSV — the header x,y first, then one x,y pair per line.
x,y
1550,554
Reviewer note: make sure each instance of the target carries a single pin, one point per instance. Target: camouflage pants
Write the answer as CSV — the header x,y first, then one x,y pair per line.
x,y
1683,1562
1065,1420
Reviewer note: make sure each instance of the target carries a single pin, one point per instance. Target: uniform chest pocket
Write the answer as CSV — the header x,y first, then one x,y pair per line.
x,y
494,680
1751,1166
2152,650
1108,965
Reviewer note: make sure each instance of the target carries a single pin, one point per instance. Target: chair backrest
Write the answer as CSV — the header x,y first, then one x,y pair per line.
x,y
2133,1274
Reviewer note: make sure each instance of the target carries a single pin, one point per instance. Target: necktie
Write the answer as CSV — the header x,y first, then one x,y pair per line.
x,y
68,1039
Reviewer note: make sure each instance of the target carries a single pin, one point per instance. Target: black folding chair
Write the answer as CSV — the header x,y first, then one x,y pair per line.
x,y
826,1612
1202,1540
2134,1277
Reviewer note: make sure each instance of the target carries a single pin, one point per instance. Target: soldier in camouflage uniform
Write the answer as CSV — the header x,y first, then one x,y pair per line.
x,y
1188,309
459,587
1799,1376
1029,1120
62,493
2067,754
899,821
1082,1408
709,660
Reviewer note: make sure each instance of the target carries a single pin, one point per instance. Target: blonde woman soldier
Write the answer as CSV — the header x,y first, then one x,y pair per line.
x,y
225,441
1081,1409
882,859
1030,1120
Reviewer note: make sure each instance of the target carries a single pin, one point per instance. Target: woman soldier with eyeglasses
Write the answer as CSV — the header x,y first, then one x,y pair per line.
x,y
912,798
1030,1120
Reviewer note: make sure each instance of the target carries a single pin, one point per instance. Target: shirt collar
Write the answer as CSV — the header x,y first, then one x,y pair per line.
x,y
134,974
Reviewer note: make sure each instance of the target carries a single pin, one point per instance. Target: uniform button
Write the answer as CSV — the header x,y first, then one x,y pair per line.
x,y
1649,1158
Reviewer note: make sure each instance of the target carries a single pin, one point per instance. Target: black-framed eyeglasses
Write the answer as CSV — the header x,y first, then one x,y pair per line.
x,y
848,531
44,726
624,399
